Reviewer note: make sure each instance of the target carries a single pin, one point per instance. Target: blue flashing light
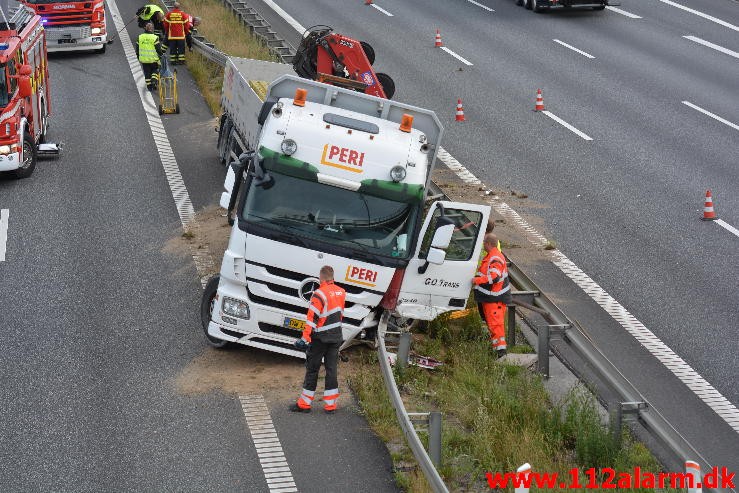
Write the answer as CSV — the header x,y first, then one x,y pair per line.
x,y
4,46
44,21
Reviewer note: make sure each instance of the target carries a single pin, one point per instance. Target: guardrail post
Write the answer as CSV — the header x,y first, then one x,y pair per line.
x,y
435,438
404,349
693,470
543,351
615,412
511,337
523,472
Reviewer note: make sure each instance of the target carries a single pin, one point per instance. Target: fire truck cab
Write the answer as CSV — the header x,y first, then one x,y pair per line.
x,y
72,26
25,103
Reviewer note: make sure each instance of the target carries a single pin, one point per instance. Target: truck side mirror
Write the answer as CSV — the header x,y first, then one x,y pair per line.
x,y
436,256
442,236
24,81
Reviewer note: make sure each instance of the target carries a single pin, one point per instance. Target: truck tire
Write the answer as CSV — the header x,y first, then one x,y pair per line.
x,y
28,156
368,51
206,308
387,83
224,133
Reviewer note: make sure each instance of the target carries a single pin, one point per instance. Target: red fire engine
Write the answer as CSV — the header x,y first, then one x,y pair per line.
x,y
72,26
25,105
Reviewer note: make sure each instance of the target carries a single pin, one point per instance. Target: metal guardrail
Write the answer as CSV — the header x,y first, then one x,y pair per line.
x,y
424,461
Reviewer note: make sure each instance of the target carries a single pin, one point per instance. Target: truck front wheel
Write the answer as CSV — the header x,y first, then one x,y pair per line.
x,y
207,304
28,158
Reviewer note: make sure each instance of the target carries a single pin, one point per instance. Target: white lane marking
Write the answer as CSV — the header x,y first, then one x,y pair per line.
x,y
712,45
461,59
715,117
573,48
623,12
567,125
4,215
701,14
269,449
381,9
185,210
727,226
287,17
684,372
485,7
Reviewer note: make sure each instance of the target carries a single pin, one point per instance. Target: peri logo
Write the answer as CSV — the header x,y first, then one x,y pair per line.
x,y
368,79
361,275
307,287
342,158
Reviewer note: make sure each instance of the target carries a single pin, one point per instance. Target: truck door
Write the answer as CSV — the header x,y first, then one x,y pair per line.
x,y
439,275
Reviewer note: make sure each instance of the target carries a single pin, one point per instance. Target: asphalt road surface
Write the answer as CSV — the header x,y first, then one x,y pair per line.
x,y
98,319
653,84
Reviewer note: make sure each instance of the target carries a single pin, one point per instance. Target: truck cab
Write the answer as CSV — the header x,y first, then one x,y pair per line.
x,y
72,26
335,177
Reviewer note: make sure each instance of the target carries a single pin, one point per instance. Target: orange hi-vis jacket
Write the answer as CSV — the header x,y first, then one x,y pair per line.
x,y
491,282
175,24
325,313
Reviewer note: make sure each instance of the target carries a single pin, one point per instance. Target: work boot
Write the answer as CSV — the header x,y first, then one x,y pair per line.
x,y
294,408
501,353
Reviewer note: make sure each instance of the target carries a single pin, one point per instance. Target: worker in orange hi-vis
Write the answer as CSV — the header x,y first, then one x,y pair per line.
x,y
175,30
493,292
321,340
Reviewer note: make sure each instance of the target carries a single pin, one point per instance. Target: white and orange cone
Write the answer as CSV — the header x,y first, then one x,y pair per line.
x,y
539,101
437,42
708,213
460,111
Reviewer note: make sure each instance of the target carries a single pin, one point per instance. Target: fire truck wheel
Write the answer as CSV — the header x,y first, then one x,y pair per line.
x,y
387,84
29,158
368,51
206,309
177,108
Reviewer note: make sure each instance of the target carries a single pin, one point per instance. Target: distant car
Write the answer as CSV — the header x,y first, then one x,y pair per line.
x,y
542,5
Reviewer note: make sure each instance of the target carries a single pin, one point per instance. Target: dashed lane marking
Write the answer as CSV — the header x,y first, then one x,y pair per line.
x,y
269,449
381,9
484,7
287,17
461,59
4,215
185,210
623,12
713,46
567,125
684,372
701,14
573,48
708,113
727,226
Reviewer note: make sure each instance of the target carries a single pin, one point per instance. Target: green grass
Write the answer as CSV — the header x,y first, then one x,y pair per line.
x,y
222,28
496,416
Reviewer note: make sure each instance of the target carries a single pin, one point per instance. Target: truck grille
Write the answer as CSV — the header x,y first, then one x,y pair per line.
x,y
297,276
278,288
54,34
64,17
290,307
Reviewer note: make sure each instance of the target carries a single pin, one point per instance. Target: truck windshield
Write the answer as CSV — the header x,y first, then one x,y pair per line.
x,y
4,96
309,211
36,2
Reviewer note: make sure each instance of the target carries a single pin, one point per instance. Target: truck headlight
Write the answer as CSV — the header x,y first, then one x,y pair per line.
x,y
397,173
235,308
4,150
289,147
95,30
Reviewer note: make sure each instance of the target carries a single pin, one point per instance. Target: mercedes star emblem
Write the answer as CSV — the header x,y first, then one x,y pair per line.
x,y
307,287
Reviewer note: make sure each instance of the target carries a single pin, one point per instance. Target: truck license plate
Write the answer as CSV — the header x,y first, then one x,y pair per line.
x,y
294,323
62,41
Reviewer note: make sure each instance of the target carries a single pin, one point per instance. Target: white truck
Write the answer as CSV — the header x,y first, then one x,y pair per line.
x,y
321,175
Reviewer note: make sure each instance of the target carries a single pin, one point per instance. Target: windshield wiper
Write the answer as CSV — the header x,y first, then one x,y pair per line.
x,y
287,237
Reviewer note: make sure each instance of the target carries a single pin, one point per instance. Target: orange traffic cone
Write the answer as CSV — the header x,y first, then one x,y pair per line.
x,y
539,101
708,213
460,111
437,42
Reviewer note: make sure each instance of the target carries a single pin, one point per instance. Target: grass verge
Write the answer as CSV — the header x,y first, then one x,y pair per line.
x,y
222,28
496,416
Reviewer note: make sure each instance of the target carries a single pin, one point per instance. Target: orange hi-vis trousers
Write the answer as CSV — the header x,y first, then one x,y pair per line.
x,y
494,316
